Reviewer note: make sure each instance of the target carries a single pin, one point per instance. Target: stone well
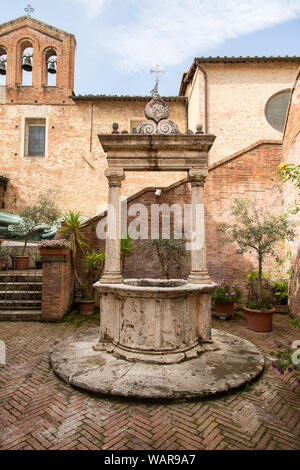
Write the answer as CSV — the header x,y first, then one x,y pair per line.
x,y
155,336
154,320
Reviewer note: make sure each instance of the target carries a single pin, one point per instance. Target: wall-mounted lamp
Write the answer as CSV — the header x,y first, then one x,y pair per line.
x,y
158,192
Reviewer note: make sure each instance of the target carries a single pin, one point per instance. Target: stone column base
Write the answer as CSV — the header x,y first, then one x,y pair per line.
x,y
199,277
111,278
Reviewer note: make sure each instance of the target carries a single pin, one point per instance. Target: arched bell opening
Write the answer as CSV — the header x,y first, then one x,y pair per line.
x,y
26,61
50,67
3,60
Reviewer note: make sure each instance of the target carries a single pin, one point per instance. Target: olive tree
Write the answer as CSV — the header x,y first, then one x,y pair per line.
x,y
256,230
42,212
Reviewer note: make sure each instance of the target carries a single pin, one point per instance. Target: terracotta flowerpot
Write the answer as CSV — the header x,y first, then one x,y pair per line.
x,y
224,309
259,320
54,251
20,263
281,308
86,307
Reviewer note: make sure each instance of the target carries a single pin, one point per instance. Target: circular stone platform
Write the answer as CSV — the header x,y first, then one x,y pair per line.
x,y
234,363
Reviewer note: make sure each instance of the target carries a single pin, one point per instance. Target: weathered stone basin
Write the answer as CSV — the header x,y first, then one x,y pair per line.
x,y
155,320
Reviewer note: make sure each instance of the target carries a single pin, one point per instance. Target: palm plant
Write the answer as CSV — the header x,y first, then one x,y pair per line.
x,y
72,226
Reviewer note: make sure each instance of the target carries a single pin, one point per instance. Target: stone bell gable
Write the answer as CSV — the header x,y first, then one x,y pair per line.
x,y
44,43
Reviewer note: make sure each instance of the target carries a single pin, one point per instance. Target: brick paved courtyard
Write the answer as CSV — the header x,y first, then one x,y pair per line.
x,y
39,411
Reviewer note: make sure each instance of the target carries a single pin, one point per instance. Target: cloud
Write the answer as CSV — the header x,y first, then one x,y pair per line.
x,y
93,8
169,31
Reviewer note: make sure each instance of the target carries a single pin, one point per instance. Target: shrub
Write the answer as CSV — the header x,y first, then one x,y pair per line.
x,y
256,230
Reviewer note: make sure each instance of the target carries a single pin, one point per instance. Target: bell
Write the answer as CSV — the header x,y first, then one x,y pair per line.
x,y
2,68
51,67
27,65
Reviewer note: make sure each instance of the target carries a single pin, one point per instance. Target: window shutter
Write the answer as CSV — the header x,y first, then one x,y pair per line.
x,y
36,141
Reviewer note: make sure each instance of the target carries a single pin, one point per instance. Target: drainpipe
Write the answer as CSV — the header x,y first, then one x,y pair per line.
x,y
205,98
187,114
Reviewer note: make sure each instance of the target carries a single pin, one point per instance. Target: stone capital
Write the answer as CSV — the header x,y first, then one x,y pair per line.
x,y
115,176
197,177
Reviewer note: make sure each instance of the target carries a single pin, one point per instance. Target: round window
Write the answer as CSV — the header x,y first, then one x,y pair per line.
x,y
276,108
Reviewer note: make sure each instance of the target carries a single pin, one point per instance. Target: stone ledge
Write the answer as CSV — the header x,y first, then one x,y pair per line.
x,y
235,363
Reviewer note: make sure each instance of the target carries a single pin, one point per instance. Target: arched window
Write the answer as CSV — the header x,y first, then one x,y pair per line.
x,y
51,66
276,109
3,58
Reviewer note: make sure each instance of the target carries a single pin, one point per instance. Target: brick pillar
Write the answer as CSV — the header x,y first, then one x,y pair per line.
x,y
57,289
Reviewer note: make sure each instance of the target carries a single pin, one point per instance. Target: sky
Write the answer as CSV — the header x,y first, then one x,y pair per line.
x,y
119,41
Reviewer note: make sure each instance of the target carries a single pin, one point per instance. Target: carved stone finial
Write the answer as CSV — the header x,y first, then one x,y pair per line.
x,y
157,109
199,129
156,112
115,127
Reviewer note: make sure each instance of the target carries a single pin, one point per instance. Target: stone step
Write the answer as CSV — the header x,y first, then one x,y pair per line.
x,y
17,286
20,295
20,304
20,315
9,277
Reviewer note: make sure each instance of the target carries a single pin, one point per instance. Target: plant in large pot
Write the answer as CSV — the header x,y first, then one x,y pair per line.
x,y
94,264
43,212
225,296
256,230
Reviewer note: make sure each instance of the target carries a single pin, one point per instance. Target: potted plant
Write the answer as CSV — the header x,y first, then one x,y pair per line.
x,y
3,255
43,212
280,290
94,264
60,247
225,296
258,231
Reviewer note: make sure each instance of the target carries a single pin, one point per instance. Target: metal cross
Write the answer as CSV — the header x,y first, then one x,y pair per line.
x,y
157,71
29,10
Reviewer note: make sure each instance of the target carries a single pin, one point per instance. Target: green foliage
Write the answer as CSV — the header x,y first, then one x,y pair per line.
x,y
3,250
280,289
256,230
73,317
291,173
226,292
94,264
93,259
72,226
167,252
127,248
44,211
254,304
283,360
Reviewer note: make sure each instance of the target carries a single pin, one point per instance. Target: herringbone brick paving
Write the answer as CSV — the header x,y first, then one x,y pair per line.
x,y
39,411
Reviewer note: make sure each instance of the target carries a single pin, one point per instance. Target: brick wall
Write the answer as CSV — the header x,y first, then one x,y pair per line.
x,y
252,172
291,154
57,289
237,95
